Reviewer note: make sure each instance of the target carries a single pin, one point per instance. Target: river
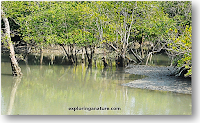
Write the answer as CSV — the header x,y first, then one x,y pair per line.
x,y
55,89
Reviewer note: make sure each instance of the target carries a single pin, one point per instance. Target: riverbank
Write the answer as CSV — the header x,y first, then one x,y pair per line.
x,y
158,78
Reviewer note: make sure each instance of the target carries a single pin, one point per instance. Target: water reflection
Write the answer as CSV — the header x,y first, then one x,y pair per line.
x,y
17,81
53,89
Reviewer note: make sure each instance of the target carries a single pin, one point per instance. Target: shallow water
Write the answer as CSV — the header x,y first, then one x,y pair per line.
x,y
61,89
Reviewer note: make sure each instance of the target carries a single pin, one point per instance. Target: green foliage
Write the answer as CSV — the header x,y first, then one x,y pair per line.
x,y
181,46
180,11
121,23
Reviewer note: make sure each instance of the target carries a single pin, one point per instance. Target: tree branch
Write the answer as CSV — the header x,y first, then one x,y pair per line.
x,y
113,47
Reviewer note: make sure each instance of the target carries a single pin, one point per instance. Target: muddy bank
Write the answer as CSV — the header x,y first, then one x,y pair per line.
x,y
158,78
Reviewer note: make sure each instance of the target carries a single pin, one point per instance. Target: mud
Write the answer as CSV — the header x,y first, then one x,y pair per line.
x,y
159,78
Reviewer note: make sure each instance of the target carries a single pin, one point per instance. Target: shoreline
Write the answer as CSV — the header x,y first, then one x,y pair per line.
x,y
158,78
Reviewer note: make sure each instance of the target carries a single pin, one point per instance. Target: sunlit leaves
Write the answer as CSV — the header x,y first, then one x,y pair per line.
x,y
182,46
95,22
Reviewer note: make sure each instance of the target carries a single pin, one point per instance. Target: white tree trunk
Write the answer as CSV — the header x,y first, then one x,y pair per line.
x,y
16,70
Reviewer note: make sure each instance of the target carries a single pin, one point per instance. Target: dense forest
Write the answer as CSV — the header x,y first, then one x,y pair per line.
x,y
116,28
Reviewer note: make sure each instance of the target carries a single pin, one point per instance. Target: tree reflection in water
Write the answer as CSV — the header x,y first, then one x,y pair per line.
x,y
16,82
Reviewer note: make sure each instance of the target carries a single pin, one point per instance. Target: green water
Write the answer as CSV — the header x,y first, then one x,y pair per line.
x,y
54,89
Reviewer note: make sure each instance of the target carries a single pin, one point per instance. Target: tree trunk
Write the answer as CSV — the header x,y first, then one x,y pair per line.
x,y
104,62
149,57
41,55
89,57
69,56
138,58
141,47
16,70
120,61
82,59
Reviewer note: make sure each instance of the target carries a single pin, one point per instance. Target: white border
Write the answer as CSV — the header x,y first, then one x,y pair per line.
x,y
149,119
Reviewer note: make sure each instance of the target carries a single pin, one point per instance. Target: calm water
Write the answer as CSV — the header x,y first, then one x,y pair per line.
x,y
54,89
